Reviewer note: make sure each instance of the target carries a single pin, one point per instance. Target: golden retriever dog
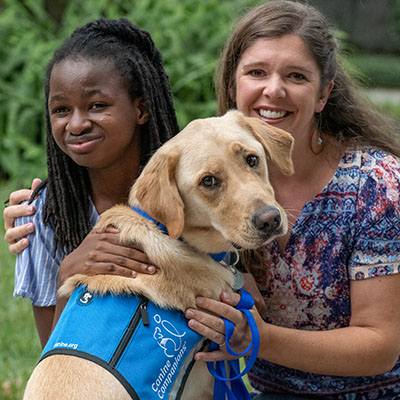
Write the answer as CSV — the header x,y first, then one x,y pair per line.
x,y
209,187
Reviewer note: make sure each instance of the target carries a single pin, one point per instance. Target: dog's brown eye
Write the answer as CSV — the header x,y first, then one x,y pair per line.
x,y
209,181
252,160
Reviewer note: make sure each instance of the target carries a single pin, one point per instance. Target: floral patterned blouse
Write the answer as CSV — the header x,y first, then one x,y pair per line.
x,y
351,230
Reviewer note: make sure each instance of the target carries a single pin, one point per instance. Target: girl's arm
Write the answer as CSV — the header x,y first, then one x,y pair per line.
x,y
44,317
99,253
369,346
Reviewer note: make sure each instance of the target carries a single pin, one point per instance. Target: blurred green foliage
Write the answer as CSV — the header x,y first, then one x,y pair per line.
x,y
389,108
189,34
378,70
396,16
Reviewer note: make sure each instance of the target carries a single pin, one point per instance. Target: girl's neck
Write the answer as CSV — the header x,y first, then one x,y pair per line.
x,y
109,188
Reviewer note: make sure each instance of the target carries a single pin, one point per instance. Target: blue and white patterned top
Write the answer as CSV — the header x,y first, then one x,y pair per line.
x,y
351,230
36,269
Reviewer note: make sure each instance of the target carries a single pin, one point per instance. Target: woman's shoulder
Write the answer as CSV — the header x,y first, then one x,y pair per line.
x,y
368,161
376,177
362,172
382,168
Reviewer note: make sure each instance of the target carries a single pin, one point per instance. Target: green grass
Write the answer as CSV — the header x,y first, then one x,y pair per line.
x,y
19,342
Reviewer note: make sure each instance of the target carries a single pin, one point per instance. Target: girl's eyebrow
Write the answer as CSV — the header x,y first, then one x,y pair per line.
x,y
86,93
56,97
91,92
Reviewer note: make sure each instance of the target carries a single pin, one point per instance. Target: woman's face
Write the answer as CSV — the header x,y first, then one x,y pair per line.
x,y
93,119
278,81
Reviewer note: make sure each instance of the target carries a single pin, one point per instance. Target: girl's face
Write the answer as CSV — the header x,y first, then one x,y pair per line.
x,y
93,119
278,81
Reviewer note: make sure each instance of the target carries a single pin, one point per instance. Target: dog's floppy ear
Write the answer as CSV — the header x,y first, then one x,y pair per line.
x,y
277,143
157,192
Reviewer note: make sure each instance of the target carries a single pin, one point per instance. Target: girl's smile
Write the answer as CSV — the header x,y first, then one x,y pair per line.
x,y
83,144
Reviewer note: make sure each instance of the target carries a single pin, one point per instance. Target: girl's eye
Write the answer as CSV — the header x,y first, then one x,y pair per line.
x,y
209,182
59,110
98,106
252,160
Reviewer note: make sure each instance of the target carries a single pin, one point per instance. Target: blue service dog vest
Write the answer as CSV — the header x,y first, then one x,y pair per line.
x,y
148,349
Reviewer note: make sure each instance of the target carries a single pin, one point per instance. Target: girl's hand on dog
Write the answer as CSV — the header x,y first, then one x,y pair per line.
x,y
14,236
101,252
209,324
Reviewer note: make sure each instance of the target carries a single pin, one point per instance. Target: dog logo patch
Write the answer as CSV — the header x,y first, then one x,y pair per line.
x,y
85,298
167,336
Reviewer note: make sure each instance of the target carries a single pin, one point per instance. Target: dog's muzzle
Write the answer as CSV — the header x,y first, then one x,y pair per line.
x,y
267,221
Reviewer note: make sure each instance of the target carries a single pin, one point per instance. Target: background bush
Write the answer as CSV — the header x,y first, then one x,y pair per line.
x,y
379,70
189,34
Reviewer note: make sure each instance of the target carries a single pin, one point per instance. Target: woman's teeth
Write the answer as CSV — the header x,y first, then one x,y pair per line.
x,y
272,114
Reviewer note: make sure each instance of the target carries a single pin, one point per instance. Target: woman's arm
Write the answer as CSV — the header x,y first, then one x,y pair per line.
x,y
369,346
15,236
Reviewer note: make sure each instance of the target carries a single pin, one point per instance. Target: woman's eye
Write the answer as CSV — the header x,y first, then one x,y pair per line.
x,y
252,160
209,181
297,76
256,73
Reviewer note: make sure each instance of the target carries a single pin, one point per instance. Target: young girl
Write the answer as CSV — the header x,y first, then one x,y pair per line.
x,y
108,108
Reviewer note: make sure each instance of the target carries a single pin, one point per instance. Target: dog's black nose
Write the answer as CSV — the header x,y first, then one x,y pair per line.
x,y
267,219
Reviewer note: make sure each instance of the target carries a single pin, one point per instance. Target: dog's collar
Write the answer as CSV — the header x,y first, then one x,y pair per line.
x,y
215,256
160,226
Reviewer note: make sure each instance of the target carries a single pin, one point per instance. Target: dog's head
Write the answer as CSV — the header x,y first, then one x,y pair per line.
x,y
209,184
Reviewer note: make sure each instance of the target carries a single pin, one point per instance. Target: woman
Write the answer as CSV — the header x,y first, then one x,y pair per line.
x,y
332,318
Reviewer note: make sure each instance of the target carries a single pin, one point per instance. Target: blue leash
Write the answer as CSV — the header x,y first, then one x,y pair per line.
x,y
238,389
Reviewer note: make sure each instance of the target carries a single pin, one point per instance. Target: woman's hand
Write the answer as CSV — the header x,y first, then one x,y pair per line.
x,y
207,321
101,252
14,236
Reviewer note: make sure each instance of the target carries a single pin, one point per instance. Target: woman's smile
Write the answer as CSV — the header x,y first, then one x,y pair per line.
x,y
278,81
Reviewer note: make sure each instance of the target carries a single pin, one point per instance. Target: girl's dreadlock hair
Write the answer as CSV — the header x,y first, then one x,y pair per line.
x,y
140,64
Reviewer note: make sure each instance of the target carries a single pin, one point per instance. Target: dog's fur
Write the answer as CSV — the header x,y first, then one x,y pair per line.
x,y
206,186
